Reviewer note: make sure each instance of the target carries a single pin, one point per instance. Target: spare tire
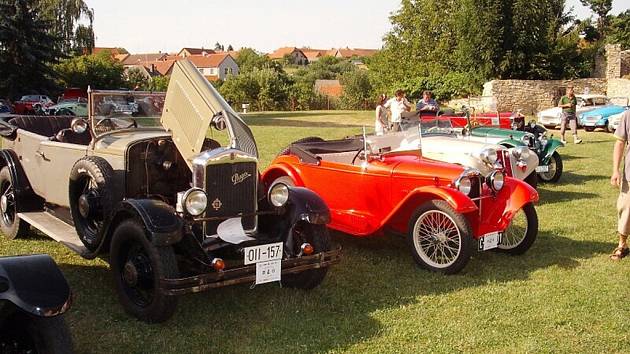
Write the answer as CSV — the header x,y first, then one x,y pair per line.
x,y
309,139
93,195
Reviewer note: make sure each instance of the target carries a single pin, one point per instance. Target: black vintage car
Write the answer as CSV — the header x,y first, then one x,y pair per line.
x,y
34,296
170,196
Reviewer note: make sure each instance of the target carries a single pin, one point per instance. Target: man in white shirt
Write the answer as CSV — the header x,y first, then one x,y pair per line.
x,y
397,105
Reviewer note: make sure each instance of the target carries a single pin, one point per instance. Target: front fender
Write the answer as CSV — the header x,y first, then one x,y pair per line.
x,y
306,205
496,213
34,284
280,169
163,225
550,148
511,143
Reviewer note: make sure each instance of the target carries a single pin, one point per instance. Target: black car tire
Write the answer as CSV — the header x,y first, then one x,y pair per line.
x,y
447,215
589,129
308,139
11,225
532,179
93,178
550,126
319,238
137,266
557,161
41,335
521,246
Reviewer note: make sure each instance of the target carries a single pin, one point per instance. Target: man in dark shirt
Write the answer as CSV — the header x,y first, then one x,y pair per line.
x,y
568,104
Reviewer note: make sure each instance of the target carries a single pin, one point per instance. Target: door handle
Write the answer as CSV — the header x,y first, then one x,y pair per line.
x,y
41,154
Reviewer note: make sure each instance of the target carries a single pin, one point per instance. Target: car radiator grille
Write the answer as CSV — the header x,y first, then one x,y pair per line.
x,y
476,187
504,157
231,190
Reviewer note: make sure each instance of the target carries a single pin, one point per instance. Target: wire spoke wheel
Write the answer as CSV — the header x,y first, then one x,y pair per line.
x,y
7,203
522,231
516,231
437,239
547,176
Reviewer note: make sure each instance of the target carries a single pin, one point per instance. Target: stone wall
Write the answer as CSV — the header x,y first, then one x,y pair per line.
x,y
531,96
613,61
618,88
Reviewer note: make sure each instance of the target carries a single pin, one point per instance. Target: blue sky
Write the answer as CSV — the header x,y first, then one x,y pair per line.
x,y
150,26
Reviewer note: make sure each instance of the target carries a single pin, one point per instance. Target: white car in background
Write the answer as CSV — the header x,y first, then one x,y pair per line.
x,y
613,122
550,118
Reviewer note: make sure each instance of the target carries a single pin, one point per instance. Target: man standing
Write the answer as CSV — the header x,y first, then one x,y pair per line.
x,y
568,104
427,103
621,180
397,106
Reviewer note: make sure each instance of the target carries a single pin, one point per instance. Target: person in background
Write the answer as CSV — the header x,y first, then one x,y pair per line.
x,y
427,103
620,180
568,104
381,125
397,105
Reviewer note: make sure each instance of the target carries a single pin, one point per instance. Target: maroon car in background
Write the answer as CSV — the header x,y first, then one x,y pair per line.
x,y
30,104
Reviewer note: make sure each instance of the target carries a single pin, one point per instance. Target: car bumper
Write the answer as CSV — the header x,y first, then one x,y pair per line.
x,y
547,120
245,274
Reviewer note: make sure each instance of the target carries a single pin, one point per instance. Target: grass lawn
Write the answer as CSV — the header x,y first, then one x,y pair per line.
x,y
564,295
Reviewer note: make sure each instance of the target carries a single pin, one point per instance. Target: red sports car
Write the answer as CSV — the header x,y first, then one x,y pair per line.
x,y
446,211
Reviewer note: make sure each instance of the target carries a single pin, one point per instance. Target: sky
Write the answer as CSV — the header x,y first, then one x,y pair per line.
x,y
147,26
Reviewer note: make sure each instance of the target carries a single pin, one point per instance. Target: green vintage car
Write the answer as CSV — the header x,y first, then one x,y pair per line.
x,y
531,135
72,107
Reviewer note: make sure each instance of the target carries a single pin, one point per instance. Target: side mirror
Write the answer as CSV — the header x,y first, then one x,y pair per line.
x,y
218,123
79,125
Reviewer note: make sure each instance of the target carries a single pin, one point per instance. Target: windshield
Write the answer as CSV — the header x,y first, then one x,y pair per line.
x,y
116,110
30,98
427,125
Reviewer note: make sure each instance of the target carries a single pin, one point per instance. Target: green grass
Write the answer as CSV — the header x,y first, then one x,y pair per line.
x,y
564,295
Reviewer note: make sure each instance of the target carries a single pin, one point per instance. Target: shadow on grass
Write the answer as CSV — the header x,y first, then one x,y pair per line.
x,y
573,179
297,114
375,274
552,196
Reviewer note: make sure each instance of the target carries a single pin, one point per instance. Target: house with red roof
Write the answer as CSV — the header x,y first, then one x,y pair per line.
x,y
186,52
215,66
295,55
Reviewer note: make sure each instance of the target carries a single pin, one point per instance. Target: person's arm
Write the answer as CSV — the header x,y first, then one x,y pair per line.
x,y
621,135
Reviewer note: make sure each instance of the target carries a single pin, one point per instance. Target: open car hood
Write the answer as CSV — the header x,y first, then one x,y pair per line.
x,y
191,104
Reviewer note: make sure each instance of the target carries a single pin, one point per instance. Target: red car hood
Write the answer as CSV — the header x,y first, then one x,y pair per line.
x,y
414,166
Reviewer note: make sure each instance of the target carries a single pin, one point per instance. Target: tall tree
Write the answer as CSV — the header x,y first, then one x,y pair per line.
x,y
27,49
64,16
601,8
620,29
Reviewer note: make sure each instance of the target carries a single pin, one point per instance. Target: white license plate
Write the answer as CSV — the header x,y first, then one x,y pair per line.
x,y
542,169
490,241
263,253
267,272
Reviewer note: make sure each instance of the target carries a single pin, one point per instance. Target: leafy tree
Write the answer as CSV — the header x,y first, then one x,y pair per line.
x,y
357,90
27,50
218,47
248,60
601,8
136,79
620,29
230,48
64,16
159,84
99,71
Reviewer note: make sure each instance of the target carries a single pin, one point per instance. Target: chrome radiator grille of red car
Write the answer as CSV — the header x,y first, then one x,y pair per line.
x,y
504,158
232,190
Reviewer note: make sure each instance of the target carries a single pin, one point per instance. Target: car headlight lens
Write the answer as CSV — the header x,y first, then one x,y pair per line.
x,y
279,194
521,153
195,201
497,180
464,185
489,156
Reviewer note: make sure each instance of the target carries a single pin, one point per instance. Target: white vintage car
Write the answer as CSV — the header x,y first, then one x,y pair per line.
x,y
550,118
439,141
614,121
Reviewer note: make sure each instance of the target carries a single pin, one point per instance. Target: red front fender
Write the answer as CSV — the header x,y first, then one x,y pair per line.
x,y
280,169
496,213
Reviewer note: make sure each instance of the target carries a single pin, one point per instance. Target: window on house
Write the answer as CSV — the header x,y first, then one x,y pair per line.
x,y
225,71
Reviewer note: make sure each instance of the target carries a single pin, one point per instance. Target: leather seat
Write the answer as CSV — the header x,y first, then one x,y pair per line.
x,y
47,126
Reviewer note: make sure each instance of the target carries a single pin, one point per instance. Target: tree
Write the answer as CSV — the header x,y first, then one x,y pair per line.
x,y
27,50
230,48
99,71
159,84
601,8
357,90
620,29
248,60
218,47
64,16
136,79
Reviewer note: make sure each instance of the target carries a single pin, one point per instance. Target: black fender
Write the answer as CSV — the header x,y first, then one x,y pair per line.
x,y
164,227
306,205
34,284
28,200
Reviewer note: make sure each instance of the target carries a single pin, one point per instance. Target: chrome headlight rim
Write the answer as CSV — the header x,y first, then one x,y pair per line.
x,y
489,156
521,153
464,185
278,195
496,181
198,206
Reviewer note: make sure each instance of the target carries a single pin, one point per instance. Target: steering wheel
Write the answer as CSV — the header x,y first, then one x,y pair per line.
x,y
357,155
432,129
111,125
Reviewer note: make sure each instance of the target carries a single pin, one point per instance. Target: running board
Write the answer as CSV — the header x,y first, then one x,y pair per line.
x,y
55,229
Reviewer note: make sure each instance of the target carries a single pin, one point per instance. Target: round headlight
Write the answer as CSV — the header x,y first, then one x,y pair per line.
x,y
497,180
521,153
489,156
464,185
79,125
279,194
195,201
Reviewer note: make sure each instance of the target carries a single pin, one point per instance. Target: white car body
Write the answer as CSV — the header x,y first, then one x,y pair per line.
x,y
457,150
613,121
550,118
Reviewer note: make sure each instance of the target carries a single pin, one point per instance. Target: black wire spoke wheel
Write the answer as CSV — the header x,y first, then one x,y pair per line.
x,y
10,224
318,237
138,267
